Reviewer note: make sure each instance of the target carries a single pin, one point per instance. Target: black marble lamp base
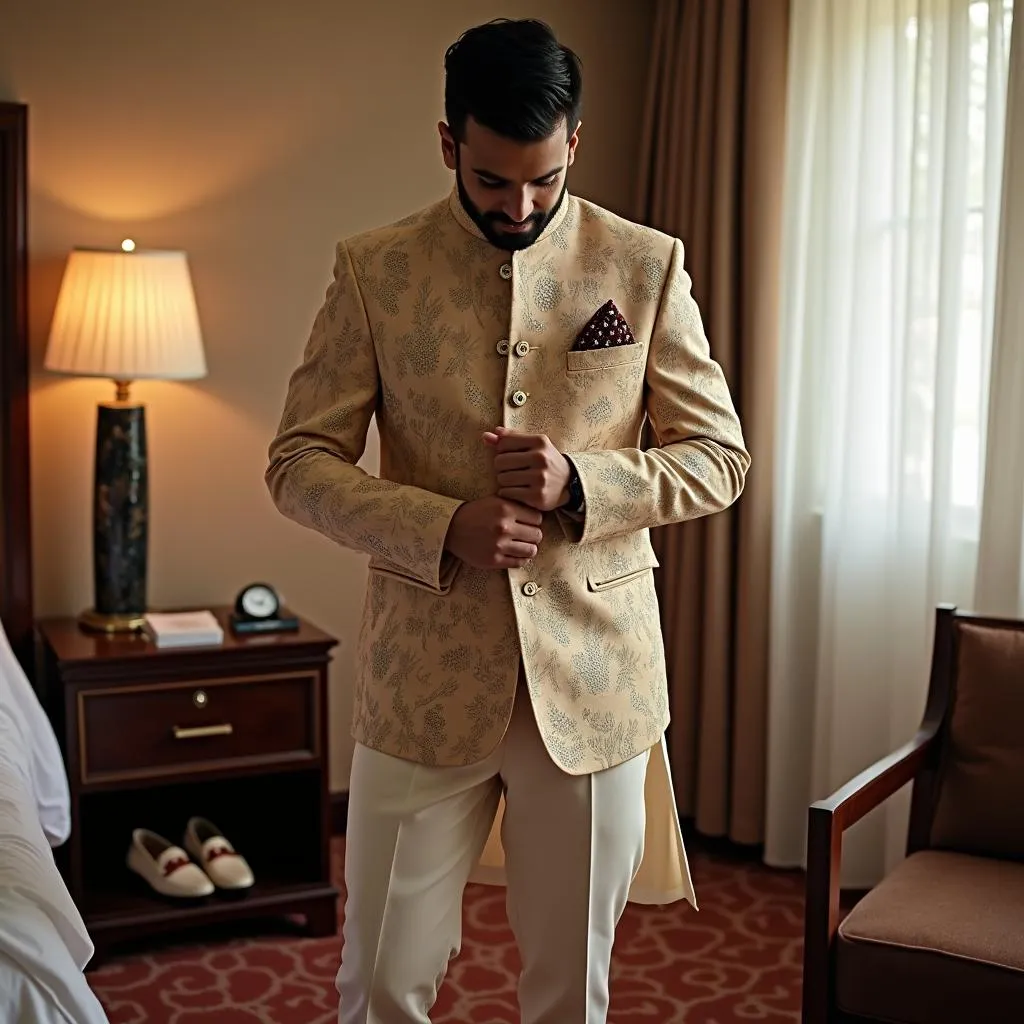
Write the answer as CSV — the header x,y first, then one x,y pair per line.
x,y
120,520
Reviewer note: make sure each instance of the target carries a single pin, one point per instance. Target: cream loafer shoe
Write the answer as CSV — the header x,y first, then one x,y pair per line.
x,y
166,867
226,867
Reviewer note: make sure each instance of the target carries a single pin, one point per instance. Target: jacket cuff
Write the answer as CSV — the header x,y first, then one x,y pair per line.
x,y
573,520
441,567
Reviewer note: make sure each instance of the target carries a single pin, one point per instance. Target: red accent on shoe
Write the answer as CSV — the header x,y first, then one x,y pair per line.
x,y
176,862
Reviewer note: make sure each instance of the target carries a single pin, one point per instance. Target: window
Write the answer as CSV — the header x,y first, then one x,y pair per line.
x,y
966,224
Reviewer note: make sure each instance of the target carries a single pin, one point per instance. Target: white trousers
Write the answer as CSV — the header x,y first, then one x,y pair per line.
x,y
572,846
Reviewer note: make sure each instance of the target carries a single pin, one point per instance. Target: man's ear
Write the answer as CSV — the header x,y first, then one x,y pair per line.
x,y
574,141
448,145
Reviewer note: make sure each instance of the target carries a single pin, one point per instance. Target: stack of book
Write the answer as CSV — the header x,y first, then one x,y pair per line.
x,y
183,629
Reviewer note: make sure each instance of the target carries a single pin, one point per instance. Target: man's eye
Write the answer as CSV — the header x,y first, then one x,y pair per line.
x,y
491,184
548,182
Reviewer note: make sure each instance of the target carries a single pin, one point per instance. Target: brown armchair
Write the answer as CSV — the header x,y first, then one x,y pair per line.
x,y
941,938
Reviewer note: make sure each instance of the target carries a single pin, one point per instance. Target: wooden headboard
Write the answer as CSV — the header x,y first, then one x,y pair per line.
x,y
16,610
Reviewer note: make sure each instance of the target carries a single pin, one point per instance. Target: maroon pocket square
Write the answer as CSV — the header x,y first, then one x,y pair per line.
x,y
607,328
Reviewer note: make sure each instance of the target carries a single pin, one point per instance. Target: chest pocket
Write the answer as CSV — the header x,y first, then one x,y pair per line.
x,y
603,358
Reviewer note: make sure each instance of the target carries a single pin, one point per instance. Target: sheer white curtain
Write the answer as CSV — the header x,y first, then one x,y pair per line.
x,y
894,151
1000,584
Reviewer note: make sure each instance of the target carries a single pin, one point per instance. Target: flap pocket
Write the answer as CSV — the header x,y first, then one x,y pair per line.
x,y
602,358
600,581
448,573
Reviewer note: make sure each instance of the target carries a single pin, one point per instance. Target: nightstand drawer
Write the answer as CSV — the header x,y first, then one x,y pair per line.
x,y
159,729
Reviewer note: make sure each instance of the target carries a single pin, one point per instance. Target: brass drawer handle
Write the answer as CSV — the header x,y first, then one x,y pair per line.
x,y
198,731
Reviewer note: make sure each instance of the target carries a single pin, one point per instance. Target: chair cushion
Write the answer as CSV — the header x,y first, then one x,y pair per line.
x,y
938,941
981,782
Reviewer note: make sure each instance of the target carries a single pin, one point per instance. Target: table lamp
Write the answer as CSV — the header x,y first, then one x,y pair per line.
x,y
128,315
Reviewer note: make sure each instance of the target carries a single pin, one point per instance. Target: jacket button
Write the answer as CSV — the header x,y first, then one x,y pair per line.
x,y
505,270
503,348
519,398
530,589
522,348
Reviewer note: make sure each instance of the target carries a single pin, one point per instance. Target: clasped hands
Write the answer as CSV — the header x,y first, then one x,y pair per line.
x,y
503,531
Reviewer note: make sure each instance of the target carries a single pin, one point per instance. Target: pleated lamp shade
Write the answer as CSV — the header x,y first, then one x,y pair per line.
x,y
127,316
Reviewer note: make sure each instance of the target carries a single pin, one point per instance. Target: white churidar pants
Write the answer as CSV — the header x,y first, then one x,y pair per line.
x,y
572,844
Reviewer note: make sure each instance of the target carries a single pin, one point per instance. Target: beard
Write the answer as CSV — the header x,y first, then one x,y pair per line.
x,y
490,223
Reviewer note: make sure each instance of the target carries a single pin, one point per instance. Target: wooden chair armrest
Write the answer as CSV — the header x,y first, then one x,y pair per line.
x,y
827,820
863,793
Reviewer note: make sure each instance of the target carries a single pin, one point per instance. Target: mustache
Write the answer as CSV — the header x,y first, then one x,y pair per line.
x,y
502,218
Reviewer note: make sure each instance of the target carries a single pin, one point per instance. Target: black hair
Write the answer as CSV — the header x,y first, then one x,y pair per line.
x,y
514,78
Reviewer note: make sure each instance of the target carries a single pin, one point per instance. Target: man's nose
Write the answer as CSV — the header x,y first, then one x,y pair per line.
x,y
519,207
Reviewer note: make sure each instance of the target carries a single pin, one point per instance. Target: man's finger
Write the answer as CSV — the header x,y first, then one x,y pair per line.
x,y
529,534
518,549
513,462
527,497
517,478
519,443
524,513
495,435
518,494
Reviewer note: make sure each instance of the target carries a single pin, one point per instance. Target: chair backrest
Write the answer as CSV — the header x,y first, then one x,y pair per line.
x,y
970,797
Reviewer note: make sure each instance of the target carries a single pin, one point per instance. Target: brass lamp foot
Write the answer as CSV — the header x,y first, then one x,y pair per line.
x,y
98,622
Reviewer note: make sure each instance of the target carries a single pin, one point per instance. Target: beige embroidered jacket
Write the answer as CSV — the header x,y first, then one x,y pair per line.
x,y
442,336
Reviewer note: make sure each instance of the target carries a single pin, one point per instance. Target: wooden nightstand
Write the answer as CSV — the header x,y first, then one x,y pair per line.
x,y
236,733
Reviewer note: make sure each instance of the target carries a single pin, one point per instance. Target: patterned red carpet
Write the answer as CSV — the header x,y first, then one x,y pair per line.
x,y
738,960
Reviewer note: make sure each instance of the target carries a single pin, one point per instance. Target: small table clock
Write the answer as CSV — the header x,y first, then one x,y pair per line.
x,y
258,609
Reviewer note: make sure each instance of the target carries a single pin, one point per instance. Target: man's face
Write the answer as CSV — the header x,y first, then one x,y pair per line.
x,y
510,189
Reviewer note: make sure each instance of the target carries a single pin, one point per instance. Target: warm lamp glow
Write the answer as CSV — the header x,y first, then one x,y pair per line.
x,y
127,315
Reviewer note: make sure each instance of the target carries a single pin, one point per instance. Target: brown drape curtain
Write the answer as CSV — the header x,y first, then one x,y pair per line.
x,y
711,175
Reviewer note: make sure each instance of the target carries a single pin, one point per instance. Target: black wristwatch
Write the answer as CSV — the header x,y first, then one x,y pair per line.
x,y
577,502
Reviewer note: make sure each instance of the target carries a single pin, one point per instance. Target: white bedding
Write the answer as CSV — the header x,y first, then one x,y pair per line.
x,y
44,945
21,711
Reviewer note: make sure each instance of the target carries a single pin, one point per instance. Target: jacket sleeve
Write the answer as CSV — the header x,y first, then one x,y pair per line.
x,y
312,474
700,464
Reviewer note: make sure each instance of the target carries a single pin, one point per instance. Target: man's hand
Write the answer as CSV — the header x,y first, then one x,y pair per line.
x,y
492,533
530,469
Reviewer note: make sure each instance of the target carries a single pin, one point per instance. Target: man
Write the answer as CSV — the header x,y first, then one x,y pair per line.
x,y
511,341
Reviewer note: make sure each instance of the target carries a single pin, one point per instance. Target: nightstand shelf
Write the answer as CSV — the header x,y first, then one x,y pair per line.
x,y
121,911
235,733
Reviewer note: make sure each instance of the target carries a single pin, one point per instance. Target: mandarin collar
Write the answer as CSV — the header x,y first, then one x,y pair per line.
x,y
466,222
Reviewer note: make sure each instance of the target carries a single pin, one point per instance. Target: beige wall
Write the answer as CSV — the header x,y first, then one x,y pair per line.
x,y
253,135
